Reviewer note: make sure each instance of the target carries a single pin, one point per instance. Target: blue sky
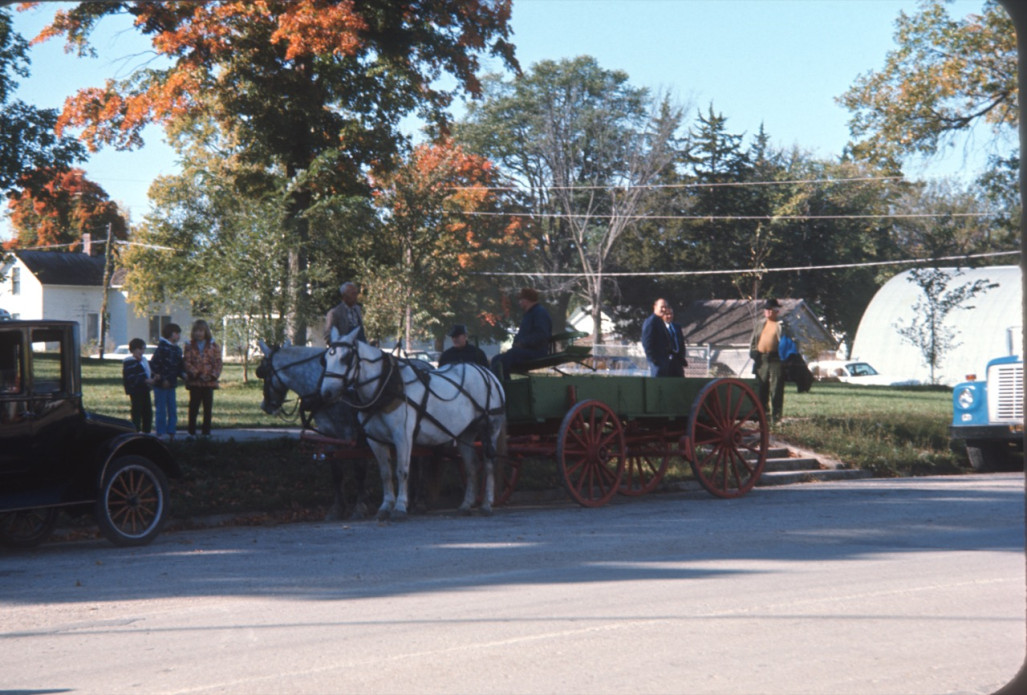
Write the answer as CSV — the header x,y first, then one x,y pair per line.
x,y
781,63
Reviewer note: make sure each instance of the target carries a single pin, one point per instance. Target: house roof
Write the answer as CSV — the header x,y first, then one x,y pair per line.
x,y
729,322
63,268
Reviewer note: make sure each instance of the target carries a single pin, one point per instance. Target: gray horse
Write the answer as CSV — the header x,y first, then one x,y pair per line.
x,y
299,369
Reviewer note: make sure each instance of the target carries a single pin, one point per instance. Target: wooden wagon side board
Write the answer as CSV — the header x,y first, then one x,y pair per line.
x,y
542,397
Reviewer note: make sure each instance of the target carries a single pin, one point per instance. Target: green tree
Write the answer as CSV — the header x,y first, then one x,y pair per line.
x,y
28,142
944,77
927,331
583,146
312,91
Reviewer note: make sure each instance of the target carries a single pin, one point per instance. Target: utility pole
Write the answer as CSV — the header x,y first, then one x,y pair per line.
x,y
106,283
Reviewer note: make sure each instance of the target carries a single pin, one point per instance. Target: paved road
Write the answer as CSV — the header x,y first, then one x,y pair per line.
x,y
880,586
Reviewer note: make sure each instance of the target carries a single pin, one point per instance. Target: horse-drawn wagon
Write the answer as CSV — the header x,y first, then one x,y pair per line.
x,y
608,434
611,435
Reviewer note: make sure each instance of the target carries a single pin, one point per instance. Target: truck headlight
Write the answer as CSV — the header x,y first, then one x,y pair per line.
x,y
965,397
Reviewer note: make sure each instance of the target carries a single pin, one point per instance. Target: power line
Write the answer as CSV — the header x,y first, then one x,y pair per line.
x,y
728,218
755,271
792,182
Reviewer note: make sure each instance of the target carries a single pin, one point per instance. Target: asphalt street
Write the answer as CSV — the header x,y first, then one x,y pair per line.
x,y
912,586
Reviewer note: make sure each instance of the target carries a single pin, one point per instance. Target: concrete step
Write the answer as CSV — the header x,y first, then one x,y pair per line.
x,y
792,464
770,478
786,466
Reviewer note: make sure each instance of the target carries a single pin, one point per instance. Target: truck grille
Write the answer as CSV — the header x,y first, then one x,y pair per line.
x,y
1005,392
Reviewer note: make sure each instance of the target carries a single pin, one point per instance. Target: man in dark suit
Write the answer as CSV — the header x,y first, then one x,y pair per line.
x,y
532,339
662,342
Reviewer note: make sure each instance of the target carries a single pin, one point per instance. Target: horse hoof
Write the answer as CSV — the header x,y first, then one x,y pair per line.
x,y
359,513
486,511
383,515
399,514
464,511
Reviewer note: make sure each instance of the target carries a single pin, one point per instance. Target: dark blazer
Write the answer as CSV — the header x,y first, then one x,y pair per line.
x,y
665,358
535,331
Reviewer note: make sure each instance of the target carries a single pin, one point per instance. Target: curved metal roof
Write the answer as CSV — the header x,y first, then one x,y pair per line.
x,y
982,329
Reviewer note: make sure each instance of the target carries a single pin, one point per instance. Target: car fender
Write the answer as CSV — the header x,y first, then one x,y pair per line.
x,y
144,445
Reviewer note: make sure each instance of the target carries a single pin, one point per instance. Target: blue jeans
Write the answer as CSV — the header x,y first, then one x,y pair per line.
x,y
165,411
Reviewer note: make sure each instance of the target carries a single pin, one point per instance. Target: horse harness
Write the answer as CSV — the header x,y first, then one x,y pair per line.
x,y
391,393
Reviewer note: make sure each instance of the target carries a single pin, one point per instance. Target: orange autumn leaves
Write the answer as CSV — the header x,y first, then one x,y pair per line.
x,y
440,187
57,211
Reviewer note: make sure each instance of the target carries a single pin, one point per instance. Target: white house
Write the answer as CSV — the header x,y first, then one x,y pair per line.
x,y
988,327
69,286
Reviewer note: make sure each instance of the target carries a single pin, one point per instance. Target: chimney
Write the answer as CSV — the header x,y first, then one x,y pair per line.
x,y
87,243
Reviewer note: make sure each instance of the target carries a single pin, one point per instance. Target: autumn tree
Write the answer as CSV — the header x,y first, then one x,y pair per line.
x,y
944,77
440,225
313,90
55,207
27,139
583,146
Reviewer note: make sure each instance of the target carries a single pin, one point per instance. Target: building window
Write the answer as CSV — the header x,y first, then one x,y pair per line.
x,y
157,324
15,281
93,328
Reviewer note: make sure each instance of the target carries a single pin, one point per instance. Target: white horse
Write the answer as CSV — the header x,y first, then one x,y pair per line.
x,y
299,369
402,406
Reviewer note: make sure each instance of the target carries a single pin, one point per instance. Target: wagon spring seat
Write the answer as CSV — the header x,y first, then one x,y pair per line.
x,y
561,351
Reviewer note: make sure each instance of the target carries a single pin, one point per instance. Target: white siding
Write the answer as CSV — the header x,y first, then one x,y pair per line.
x,y
28,303
981,332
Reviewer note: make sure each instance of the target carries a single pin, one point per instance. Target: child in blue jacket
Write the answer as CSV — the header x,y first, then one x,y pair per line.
x,y
166,366
136,377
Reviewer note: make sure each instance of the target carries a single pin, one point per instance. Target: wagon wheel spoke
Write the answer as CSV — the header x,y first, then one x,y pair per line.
x,y
729,438
644,467
591,452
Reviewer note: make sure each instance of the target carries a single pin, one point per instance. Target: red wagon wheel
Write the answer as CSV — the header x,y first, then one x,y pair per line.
x,y
591,452
727,438
644,467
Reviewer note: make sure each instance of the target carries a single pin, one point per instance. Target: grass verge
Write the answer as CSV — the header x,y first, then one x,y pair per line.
x,y
888,431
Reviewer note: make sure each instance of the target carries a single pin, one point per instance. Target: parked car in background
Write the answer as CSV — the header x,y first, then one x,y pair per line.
x,y
55,456
854,372
430,357
121,352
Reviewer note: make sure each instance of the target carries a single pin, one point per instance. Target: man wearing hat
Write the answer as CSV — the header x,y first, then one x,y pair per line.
x,y
767,364
462,351
532,339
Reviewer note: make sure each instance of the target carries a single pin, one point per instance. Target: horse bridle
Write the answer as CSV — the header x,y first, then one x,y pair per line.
x,y
352,365
267,372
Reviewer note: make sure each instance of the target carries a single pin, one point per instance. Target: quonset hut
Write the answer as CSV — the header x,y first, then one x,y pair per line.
x,y
990,329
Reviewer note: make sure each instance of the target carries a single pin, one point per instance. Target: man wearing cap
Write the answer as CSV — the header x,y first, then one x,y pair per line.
x,y
462,351
346,315
532,339
767,364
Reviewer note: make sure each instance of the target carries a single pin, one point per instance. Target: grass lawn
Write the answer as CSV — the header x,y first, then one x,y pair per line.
x,y
889,431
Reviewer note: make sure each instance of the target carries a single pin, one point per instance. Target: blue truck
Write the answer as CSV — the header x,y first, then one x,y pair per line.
x,y
987,416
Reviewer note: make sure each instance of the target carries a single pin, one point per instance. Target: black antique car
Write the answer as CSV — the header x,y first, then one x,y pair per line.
x,y
56,457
